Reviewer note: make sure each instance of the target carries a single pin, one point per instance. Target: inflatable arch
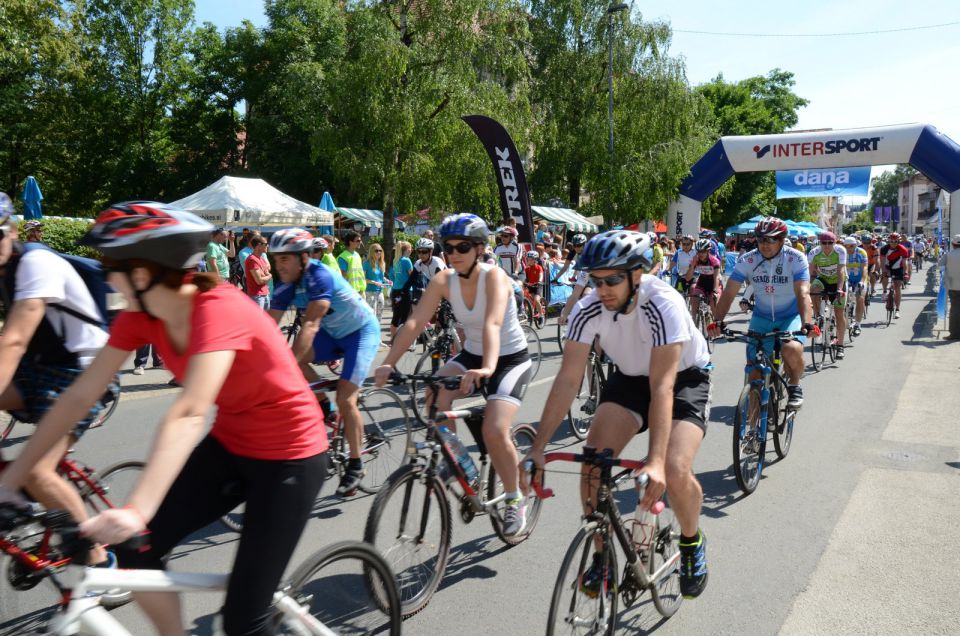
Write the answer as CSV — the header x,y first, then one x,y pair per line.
x,y
922,146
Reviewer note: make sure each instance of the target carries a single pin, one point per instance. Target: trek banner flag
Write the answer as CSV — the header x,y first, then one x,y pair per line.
x,y
824,182
511,180
877,214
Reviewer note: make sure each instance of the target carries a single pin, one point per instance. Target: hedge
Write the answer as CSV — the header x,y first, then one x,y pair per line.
x,y
62,235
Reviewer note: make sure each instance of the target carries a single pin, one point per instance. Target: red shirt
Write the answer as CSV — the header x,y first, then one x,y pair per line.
x,y
534,274
265,410
255,262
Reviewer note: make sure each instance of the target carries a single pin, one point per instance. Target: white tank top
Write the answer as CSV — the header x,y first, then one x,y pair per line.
x,y
512,339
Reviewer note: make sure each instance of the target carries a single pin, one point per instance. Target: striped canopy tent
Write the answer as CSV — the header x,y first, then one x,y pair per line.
x,y
564,216
369,218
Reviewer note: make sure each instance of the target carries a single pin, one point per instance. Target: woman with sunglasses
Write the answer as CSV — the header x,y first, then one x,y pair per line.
x,y
374,268
703,277
267,446
494,349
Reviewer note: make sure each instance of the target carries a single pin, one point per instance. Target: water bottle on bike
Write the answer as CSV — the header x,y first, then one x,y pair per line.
x,y
460,452
643,525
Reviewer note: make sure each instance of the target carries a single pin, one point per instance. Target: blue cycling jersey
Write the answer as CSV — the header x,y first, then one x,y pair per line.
x,y
856,265
773,281
348,311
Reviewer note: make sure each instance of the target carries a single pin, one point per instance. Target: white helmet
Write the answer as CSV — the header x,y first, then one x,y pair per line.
x,y
851,240
424,244
533,254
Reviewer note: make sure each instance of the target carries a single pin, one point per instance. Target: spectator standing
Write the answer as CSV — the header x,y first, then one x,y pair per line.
x,y
374,269
256,271
141,357
328,258
399,299
220,250
350,262
953,287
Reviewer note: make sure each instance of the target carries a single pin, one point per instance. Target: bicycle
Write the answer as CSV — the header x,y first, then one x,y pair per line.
x,y
703,316
761,408
888,298
651,548
535,313
851,308
409,520
344,588
386,438
585,404
292,330
822,345
110,399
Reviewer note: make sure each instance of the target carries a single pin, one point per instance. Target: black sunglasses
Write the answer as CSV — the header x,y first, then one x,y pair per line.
x,y
459,248
610,281
769,239
826,242
424,251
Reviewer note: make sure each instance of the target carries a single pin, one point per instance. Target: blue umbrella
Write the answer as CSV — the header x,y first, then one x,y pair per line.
x,y
31,199
326,203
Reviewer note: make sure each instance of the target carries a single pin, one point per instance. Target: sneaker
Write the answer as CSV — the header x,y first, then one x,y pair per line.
x,y
514,517
896,314
138,371
839,352
856,328
693,566
350,481
794,396
592,582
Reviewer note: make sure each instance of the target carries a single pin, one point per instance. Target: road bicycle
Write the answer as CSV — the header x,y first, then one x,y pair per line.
x,y
649,542
851,308
345,588
386,438
109,400
762,408
585,403
703,317
822,345
410,518
292,330
888,299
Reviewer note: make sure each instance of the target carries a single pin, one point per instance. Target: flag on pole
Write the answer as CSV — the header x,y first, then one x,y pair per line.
x,y
896,214
942,296
877,214
886,213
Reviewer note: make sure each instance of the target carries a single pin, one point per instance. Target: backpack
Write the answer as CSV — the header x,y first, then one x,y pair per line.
x,y
93,276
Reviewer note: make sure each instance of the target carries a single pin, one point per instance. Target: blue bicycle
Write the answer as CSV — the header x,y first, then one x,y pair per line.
x,y
761,409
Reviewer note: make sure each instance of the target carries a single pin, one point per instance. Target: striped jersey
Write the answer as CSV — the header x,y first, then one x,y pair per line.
x,y
660,318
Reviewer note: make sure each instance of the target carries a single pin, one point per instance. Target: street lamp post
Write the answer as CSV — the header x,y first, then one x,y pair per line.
x,y
611,10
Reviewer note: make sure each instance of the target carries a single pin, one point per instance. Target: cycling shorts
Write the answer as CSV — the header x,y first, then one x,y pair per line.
x,y
703,291
40,386
400,306
510,377
763,325
535,290
357,349
856,289
894,274
691,396
829,290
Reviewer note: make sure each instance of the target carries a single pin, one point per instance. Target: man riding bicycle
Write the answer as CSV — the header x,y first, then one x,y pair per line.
x,y
828,270
661,384
337,323
781,278
896,266
704,276
856,284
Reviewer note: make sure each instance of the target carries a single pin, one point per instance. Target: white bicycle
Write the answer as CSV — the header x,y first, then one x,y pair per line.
x,y
345,588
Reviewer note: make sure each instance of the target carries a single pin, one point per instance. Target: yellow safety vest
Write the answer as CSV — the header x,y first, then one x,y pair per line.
x,y
355,275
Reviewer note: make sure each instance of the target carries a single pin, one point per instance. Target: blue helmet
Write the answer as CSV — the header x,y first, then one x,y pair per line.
x,y
616,249
469,227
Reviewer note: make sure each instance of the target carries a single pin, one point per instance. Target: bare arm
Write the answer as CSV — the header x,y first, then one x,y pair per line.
x,y
802,290
21,324
422,313
575,295
726,299
564,389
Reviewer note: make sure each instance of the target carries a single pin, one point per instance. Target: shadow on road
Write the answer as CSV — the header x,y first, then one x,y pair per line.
x,y
465,560
720,491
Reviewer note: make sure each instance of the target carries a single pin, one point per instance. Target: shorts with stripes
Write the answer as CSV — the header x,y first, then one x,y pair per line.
x,y
510,378
691,396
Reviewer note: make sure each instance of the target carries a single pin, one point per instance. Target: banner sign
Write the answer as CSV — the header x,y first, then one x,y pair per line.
x,y
877,214
896,214
830,182
511,180
887,211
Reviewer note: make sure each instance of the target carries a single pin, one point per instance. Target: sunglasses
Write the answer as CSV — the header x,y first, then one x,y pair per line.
x,y
459,248
610,281
769,240
826,242
424,251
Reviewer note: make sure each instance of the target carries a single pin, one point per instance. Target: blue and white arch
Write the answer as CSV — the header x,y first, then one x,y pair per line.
x,y
922,146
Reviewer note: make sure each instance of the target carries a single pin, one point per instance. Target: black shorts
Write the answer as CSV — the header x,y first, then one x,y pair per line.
x,y
510,378
895,274
691,396
535,290
400,306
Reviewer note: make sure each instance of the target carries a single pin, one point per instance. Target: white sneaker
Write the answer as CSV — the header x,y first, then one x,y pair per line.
x,y
138,371
896,314
514,517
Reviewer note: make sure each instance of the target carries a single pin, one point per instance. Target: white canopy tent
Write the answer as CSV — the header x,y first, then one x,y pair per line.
x,y
242,201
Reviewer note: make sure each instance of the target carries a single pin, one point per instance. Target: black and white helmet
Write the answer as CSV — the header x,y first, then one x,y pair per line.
x,y
578,239
702,245
616,249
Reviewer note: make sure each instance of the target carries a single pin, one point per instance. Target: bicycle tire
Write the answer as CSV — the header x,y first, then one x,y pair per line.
x,y
831,348
535,350
596,615
386,436
777,414
334,594
8,427
540,319
705,319
523,436
559,335
749,445
113,399
824,344
528,311
117,482
585,403
813,353
667,596
783,436
416,584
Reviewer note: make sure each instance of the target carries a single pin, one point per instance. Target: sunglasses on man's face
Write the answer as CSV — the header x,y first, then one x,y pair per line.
x,y
459,248
610,281
424,251
769,240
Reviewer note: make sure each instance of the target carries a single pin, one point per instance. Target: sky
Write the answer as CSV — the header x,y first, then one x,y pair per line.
x,y
851,81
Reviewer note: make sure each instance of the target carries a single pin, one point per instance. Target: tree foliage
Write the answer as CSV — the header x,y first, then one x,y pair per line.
x,y
885,187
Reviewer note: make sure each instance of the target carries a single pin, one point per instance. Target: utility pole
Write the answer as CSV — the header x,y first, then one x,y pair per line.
x,y
611,10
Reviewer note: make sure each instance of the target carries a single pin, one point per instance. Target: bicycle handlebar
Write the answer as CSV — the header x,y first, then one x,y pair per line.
x,y
450,382
760,336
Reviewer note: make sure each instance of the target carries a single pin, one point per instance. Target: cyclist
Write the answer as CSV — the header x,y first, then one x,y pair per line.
x,y
681,261
657,254
828,269
661,384
896,261
781,281
427,265
494,350
704,276
508,252
873,262
267,446
856,284
337,323
573,249
533,273
45,346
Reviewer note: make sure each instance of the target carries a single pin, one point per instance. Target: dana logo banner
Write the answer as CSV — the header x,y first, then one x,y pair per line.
x,y
830,182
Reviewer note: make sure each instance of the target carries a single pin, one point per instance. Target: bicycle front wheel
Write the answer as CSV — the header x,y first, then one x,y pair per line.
x,y
706,317
523,436
409,523
536,351
386,436
582,604
782,425
666,590
349,588
116,484
430,362
749,442
815,352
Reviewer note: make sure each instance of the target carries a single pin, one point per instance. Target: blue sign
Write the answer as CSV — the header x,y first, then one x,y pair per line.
x,y
823,182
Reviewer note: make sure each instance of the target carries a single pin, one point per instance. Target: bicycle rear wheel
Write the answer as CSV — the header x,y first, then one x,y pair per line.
x,y
575,610
386,435
749,442
523,436
584,405
116,484
815,352
536,351
409,523
349,588
666,592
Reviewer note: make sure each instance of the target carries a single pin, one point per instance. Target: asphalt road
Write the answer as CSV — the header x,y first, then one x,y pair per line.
x,y
762,550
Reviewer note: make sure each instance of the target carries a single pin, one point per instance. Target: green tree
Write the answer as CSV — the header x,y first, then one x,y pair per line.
x,y
885,187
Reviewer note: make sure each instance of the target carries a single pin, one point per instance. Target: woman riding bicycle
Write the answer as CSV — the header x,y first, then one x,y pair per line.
x,y
267,446
704,276
495,348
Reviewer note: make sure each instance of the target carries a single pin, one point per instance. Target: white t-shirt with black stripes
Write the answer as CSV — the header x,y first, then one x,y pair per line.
x,y
660,318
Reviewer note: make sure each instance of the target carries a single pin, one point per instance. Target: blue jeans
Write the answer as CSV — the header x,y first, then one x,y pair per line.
x,y
263,301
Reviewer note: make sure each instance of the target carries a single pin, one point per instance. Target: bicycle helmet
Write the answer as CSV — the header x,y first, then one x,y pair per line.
x,y
508,230
893,237
578,239
533,254
319,244
705,233
468,227
703,245
616,249
850,240
6,208
150,231
32,225
687,237
770,226
295,240
827,236
424,244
